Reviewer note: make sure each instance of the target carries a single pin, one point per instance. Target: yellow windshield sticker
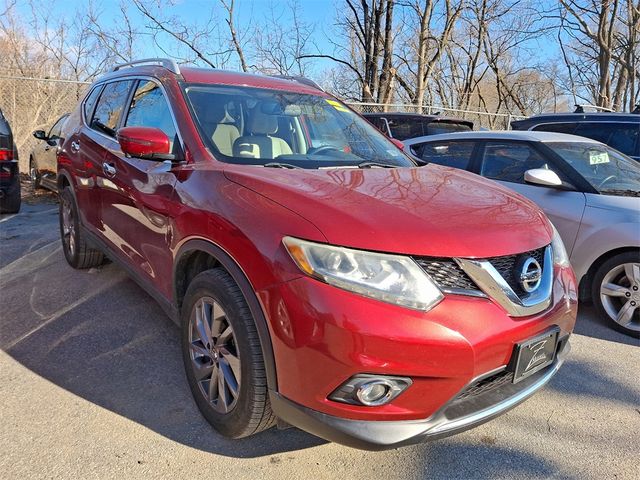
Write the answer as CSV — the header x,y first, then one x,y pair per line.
x,y
337,105
596,158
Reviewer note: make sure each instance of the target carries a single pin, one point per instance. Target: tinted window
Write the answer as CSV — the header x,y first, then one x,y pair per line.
x,y
90,102
110,106
450,154
435,128
556,128
403,129
56,130
622,137
149,108
508,161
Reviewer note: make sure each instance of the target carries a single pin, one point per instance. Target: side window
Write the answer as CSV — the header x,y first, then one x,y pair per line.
x,y
625,138
556,128
622,137
90,102
402,129
57,128
110,107
149,108
449,154
507,161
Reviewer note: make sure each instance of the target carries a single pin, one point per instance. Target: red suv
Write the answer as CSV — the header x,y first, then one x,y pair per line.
x,y
317,276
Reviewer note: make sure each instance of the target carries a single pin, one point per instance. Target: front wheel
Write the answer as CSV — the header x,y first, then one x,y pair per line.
x,y
222,356
616,292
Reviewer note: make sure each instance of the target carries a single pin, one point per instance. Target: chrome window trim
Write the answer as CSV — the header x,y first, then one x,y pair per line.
x,y
483,273
103,83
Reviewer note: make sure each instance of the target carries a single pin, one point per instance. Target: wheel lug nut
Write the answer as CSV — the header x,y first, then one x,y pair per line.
x,y
627,294
635,288
633,304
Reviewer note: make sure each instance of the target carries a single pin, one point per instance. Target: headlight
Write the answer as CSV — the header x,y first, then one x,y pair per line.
x,y
390,278
560,256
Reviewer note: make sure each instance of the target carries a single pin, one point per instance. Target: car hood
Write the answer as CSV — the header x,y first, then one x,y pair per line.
x,y
432,210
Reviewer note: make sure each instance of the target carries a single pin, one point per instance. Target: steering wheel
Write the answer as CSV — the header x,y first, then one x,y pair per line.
x,y
322,148
606,180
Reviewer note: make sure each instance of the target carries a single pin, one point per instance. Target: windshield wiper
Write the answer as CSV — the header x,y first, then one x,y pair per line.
x,y
280,165
622,193
375,165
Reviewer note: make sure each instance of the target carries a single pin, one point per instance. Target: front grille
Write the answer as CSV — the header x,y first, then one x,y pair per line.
x,y
506,267
486,384
446,273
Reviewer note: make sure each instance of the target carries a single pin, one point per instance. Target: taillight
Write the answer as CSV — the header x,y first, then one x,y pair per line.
x,y
6,154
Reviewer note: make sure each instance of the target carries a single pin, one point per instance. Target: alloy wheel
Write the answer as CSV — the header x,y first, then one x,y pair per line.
x,y
620,295
215,359
68,226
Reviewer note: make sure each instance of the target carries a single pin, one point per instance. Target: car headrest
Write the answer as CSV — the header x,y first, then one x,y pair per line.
x,y
263,124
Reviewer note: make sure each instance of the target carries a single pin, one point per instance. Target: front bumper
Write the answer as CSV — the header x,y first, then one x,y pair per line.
x,y
461,413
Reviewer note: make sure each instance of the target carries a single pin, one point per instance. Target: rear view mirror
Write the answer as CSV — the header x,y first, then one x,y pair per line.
x,y
145,142
40,135
544,177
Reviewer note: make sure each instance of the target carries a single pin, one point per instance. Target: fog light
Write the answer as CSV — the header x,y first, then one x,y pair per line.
x,y
370,390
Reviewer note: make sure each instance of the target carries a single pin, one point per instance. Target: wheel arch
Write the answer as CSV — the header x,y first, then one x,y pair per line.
x,y
587,279
197,255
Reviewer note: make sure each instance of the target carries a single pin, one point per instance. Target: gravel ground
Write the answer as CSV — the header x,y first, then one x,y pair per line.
x,y
91,386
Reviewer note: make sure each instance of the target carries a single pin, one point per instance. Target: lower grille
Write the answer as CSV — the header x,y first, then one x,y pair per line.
x,y
486,384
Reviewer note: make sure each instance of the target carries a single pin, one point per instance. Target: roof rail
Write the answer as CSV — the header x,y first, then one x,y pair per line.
x,y
580,108
169,64
300,79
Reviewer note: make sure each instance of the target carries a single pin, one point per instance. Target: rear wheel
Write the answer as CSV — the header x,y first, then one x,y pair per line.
x,y
222,356
11,199
76,250
616,292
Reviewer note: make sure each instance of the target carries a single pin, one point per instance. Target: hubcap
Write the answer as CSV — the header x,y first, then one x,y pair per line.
x,y
215,359
68,227
620,295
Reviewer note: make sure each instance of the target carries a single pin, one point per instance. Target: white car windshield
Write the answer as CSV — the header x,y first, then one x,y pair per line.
x,y
290,130
607,170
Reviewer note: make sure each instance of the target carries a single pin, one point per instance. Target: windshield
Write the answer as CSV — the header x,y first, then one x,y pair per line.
x,y
607,170
282,129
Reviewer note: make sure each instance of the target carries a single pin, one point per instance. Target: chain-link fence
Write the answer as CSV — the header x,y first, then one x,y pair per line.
x,y
36,103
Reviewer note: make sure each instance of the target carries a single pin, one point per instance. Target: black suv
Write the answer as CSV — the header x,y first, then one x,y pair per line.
x,y
618,130
402,126
9,174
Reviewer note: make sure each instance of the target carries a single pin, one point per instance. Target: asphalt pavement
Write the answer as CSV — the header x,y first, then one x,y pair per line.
x,y
92,386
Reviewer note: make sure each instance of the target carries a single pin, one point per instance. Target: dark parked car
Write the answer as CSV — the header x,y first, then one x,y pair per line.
x,y
42,161
618,130
401,126
317,274
9,172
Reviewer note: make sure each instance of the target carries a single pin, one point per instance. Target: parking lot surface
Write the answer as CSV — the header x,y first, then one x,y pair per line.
x,y
92,386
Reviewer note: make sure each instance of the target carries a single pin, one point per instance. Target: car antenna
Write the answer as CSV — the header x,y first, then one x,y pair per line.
x,y
636,110
579,109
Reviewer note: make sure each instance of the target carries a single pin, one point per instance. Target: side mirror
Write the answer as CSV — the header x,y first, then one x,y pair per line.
x,y
40,135
544,177
145,142
397,143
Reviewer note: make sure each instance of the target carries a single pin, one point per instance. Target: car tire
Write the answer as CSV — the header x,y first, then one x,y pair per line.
x,y
220,340
34,174
74,245
12,199
616,292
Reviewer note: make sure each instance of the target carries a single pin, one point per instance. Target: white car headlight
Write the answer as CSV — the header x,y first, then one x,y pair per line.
x,y
391,278
560,256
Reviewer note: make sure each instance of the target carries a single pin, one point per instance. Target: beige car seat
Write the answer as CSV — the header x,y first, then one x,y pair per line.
x,y
260,144
219,125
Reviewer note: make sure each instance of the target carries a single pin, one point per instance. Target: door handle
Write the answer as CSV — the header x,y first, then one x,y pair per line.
x,y
109,170
75,146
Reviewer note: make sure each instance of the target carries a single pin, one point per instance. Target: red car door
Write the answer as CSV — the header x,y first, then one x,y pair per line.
x,y
136,193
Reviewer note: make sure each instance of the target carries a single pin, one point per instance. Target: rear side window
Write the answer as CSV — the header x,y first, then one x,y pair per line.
x,y
556,128
90,102
507,161
149,108
403,129
622,137
435,128
449,154
110,107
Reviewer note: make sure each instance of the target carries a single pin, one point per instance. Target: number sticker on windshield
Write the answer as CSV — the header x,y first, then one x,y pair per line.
x,y
596,158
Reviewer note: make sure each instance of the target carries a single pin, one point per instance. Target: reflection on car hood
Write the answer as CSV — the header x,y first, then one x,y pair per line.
x,y
422,211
